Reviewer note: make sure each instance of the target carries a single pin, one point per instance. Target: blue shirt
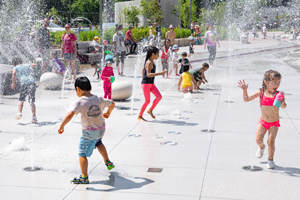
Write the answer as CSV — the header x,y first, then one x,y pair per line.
x,y
23,73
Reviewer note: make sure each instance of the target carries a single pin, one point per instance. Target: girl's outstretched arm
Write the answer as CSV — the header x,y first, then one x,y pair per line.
x,y
244,87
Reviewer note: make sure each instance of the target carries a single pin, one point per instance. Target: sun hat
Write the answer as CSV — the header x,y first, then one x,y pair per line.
x,y
96,37
171,26
197,26
109,59
175,47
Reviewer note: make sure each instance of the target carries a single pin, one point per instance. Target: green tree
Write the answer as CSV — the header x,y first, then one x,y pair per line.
x,y
131,15
87,6
215,15
152,10
183,11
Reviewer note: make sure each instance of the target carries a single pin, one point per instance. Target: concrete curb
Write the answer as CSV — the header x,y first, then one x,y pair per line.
x,y
249,53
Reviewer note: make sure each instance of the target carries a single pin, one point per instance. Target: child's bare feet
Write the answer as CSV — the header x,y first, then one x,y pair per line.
x,y
140,118
151,113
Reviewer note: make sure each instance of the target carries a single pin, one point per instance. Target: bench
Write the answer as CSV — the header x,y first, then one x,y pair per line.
x,y
84,56
244,39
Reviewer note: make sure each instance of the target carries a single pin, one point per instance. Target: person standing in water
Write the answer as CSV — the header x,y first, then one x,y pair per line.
x,y
269,118
148,82
211,39
69,51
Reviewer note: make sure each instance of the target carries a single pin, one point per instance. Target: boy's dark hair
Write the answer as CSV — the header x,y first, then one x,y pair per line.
x,y
205,65
17,61
94,63
185,68
83,83
184,54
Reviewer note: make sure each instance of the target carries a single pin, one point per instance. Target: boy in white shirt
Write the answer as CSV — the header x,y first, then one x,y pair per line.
x,y
91,108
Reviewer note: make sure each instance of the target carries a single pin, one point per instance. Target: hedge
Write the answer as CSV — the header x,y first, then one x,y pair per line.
x,y
142,32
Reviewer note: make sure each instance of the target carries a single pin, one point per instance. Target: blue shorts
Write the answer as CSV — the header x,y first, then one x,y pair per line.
x,y
89,141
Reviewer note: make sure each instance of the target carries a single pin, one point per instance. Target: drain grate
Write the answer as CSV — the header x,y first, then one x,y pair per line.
x,y
32,169
252,168
155,170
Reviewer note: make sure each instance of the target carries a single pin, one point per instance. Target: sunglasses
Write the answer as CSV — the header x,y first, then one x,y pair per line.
x,y
47,22
67,27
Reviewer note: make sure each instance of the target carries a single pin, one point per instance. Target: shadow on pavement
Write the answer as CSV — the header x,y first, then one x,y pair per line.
x,y
120,183
291,171
175,122
39,123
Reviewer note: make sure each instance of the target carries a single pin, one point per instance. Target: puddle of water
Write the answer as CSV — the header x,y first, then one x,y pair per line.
x,y
174,132
183,118
187,112
159,137
170,143
134,135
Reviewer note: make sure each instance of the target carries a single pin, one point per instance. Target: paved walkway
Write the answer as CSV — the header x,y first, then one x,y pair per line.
x,y
195,165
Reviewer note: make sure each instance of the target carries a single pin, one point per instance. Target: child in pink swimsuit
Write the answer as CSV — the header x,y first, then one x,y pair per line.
x,y
269,119
106,75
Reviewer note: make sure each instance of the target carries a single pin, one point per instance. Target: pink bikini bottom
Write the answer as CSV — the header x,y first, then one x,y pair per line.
x,y
268,125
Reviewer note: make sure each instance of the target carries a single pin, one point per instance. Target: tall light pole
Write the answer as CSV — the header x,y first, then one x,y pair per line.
x,y
82,8
100,19
70,11
190,12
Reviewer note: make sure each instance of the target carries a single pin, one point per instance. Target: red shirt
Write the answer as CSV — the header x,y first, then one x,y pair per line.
x,y
68,42
165,56
129,35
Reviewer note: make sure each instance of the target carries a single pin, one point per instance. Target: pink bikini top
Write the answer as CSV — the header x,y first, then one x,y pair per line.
x,y
267,101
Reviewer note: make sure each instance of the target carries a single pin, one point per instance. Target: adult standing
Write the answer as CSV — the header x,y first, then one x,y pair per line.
x,y
264,31
69,50
157,30
129,40
294,33
171,35
254,31
211,39
42,40
119,48
192,28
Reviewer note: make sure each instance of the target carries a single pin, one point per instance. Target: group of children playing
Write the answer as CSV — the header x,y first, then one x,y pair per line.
x,y
91,107
188,80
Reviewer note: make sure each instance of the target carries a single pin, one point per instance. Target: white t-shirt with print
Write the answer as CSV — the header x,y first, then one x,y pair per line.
x,y
91,110
120,40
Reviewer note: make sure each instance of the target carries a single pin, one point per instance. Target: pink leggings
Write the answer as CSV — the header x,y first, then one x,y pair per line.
x,y
147,88
107,90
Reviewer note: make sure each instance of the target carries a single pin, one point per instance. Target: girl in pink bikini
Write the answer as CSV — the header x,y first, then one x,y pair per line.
x,y
148,82
269,119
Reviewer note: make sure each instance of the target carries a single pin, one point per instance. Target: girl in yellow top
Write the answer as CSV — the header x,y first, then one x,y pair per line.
x,y
186,80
